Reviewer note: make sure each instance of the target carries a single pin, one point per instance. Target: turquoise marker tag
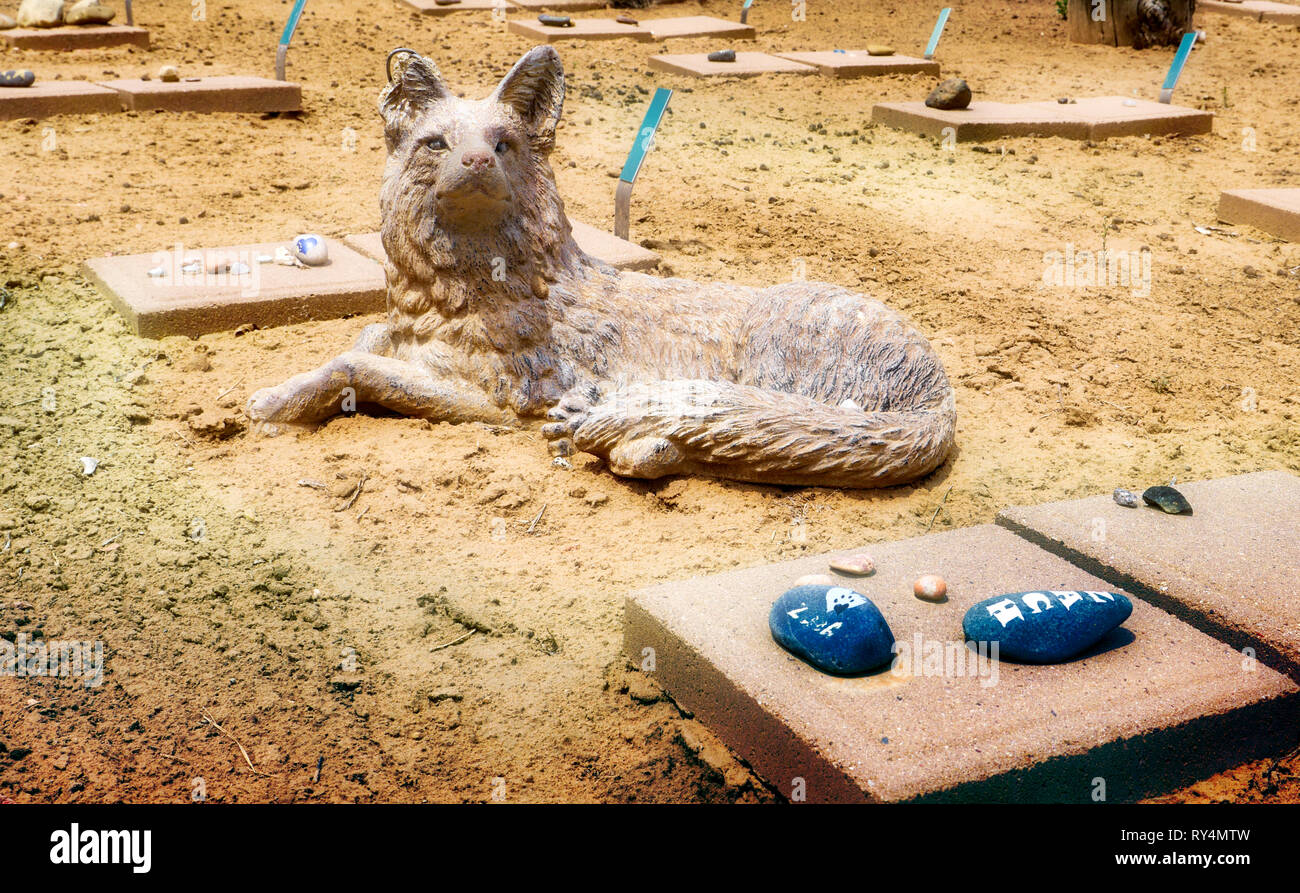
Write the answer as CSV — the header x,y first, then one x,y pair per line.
x,y
645,136
1176,69
938,32
292,25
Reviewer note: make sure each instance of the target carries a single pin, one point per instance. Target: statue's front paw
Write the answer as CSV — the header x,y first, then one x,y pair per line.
x,y
566,417
264,405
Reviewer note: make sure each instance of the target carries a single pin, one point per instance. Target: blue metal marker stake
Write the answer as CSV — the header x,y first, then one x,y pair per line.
x,y
645,138
938,32
744,12
1176,70
282,53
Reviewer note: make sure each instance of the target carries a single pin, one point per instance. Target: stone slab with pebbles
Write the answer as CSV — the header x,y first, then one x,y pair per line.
x,y
747,64
434,8
270,294
1094,118
1229,568
1155,705
581,29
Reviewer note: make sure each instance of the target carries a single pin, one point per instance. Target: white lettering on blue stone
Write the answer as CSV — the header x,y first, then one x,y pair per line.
x,y
1099,597
1005,611
1067,597
1033,599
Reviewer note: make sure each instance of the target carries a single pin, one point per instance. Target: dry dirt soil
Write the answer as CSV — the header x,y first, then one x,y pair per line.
x,y
452,633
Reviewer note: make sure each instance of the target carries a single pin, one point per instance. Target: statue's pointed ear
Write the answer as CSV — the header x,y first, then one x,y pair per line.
x,y
535,89
414,85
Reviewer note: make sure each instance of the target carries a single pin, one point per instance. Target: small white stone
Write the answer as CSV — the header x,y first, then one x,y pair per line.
x,y
1131,103
88,465
815,580
158,272
285,258
168,74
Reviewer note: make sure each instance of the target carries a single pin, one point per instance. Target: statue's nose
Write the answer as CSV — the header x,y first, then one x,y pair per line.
x,y
477,159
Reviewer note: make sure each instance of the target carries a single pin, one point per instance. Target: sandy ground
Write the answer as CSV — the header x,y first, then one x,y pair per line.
x,y
326,634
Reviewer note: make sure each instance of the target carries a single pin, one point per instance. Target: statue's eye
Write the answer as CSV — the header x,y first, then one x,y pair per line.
x,y
502,147
436,143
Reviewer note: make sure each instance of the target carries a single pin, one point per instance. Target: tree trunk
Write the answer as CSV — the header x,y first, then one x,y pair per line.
x,y
1132,23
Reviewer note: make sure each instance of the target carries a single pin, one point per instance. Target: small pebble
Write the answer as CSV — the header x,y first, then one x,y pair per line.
x,y
1126,498
88,465
1131,103
158,272
722,56
555,21
857,565
930,588
875,49
168,74
625,20
561,462
814,580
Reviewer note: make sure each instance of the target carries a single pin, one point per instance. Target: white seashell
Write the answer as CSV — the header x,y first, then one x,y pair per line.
x,y
157,272
88,465
310,249
285,258
238,269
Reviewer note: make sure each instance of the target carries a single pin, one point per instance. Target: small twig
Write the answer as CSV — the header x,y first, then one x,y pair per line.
x,y
538,518
356,494
938,509
454,641
228,390
320,761
237,744
314,484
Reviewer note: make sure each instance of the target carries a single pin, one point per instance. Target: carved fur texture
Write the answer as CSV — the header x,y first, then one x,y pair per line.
x,y
495,314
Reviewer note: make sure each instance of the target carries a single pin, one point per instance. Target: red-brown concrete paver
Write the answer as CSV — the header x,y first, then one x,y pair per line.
x,y
616,252
269,294
222,93
1230,568
746,65
1275,211
698,26
1259,10
433,8
76,37
1092,118
45,98
581,29
560,6
1155,705
860,63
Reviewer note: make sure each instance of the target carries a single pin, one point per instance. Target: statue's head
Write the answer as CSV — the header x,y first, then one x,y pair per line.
x,y
472,163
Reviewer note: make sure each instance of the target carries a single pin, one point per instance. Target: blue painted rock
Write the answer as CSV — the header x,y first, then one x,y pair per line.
x,y
1046,627
834,628
18,78
310,249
